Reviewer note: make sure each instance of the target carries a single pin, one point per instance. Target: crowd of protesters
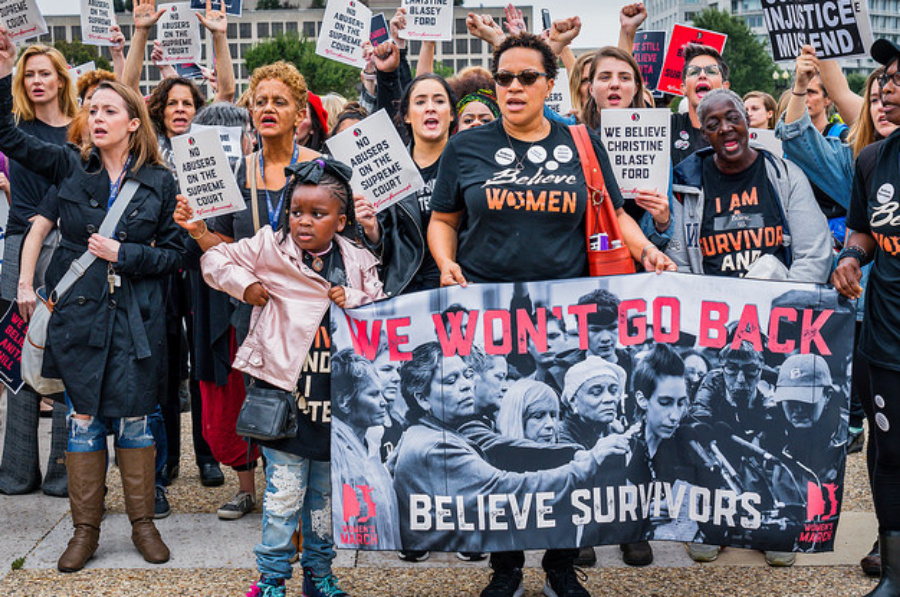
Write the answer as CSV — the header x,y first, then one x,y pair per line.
x,y
244,298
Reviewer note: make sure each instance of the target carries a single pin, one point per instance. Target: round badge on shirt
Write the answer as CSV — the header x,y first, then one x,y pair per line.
x,y
537,154
562,153
885,193
505,156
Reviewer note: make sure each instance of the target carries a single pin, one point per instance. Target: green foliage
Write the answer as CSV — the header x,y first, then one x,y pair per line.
x,y
322,75
123,5
857,82
18,563
749,62
442,69
77,53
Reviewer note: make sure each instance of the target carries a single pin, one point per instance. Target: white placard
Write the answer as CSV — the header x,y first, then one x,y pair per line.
x,y
204,175
22,19
345,26
229,137
560,100
383,170
637,142
768,140
97,17
428,20
178,31
76,71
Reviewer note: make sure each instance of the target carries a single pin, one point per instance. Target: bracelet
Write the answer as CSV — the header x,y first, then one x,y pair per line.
x,y
644,252
856,252
797,94
202,234
664,226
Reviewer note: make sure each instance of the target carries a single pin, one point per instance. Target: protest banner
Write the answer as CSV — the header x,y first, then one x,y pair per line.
x,y
76,71
835,28
97,17
767,138
670,79
345,26
428,20
383,170
230,138
204,174
649,51
378,31
637,142
22,19
719,462
12,336
179,34
232,7
560,100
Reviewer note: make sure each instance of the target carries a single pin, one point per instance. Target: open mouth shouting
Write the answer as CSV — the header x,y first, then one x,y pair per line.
x,y
702,88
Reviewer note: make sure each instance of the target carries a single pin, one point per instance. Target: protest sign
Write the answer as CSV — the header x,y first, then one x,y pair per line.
x,y
383,170
189,71
560,100
768,140
97,17
12,336
345,26
379,32
232,7
649,51
637,142
719,463
22,19
76,71
204,175
835,28
179,34
428,20
230,138
670,79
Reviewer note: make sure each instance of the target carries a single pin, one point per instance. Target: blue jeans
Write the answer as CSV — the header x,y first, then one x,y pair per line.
x,y
158,430
89,435
296,488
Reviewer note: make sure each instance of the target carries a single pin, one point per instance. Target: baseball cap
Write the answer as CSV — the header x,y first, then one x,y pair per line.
x,y
588,369
802,378
884,51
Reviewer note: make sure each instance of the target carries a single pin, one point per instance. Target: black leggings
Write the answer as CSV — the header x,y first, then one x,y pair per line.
x,y
878,390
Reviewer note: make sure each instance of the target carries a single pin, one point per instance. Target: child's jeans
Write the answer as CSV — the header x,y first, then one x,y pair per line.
x,y
296,488
89,435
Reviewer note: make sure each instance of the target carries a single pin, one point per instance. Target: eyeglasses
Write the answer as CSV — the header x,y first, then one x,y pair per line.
x,y
504,78
749,370
893,78
711,71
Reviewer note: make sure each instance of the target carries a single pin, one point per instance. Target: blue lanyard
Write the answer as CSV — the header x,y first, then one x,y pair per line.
x,y
114,186
274,210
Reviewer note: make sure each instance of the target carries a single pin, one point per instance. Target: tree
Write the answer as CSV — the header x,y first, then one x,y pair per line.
x,y
749,63
123,5
857,82
322,75
77,53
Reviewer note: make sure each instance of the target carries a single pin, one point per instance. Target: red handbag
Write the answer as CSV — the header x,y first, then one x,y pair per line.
x,y
601,214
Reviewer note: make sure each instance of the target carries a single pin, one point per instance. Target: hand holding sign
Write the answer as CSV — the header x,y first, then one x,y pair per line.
x,y
807,68
386,57
204,175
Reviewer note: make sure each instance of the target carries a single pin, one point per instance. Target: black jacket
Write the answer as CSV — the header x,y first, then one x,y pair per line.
x,y
402,247
109,349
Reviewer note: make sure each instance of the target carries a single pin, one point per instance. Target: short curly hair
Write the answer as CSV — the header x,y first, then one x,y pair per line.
x,y
90,79
285,72
528,41
156,105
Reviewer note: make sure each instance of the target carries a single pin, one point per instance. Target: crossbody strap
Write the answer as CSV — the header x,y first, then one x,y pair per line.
x,y
254,195
107,227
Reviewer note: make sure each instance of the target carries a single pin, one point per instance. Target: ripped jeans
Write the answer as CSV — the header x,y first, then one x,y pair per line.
x,y
89,435
297,488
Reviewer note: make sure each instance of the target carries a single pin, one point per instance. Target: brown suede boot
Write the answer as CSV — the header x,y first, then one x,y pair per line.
x,y
138,485
87,480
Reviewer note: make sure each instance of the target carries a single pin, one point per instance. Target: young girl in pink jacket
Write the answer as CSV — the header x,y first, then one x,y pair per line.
x,y
291,275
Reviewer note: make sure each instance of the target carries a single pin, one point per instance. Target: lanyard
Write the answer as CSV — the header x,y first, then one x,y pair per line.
x,y
114,186
274,210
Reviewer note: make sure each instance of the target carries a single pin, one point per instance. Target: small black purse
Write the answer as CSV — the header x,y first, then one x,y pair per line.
x,y
268,414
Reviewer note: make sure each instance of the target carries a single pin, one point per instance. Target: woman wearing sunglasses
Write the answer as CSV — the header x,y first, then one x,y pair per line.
x,y
518,184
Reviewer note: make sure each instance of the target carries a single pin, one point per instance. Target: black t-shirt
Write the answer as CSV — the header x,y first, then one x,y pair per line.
x,y
429,275
519,225
874,204
27,188
685,138
741,219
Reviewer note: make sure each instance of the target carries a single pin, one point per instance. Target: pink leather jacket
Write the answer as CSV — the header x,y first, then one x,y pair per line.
x,y
282,331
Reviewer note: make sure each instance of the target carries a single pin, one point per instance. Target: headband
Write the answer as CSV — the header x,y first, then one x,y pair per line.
x,y
485,96
311,172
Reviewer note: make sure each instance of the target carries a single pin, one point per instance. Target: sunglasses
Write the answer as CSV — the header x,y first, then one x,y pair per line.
x,y
711,71
893,78
504,78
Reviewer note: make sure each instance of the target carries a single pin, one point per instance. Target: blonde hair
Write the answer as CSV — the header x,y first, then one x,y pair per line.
x,y
333,104
23,108
575,81
285,72
142,144
863,132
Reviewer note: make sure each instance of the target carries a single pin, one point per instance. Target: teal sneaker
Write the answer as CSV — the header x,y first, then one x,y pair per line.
x,y
326,586
267,588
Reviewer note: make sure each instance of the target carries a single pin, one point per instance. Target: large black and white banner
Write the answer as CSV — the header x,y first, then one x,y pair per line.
x,y
835,28
592,411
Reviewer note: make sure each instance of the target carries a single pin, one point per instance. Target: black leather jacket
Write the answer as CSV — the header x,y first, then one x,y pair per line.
x,y
402,247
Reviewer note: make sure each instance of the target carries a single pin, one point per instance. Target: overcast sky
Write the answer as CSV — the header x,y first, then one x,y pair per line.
x,y
599,16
